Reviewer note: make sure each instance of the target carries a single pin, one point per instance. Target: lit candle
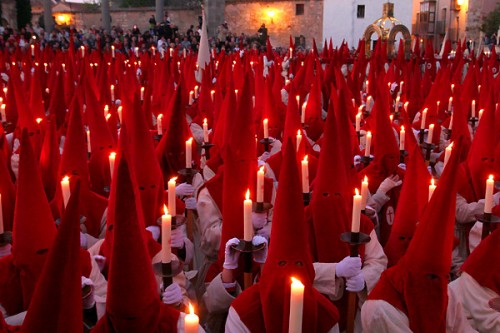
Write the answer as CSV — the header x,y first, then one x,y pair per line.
x,y
88,142
368,143
296,306
112,88
191,97
212,95
488,197
213,53
82,48
106,110
353,103
406,106
291,53
366,86
265,122
430,133
402,138
171,52
473,109
297,98
153,50
303,113
299,139
112,157
396,107
184,53
364,193
236,93
166,235
450,102
260,184
479,88
32,50
189,154
1,216
38,120
391,118
171,196
191,321
424,118
142,94
369,103
358,122
159,124
356,212
447,154
120,114
253,102
196,89
452,87
205,130
113,51
287,82
305,175
2,113
66,192
136,50
247,218
432,187
481,114
401,87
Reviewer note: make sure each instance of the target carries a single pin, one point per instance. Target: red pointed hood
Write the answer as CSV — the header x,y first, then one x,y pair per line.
x,y
265,306
49,160
56,306
8,193
313,111
34,227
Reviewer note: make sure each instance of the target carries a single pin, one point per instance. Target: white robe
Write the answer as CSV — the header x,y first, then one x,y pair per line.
x,y
474,299
380,316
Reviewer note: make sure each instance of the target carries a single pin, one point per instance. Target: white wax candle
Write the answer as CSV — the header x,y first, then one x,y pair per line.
x,y
260,185
112,88
396,107
171,196
166,235
299,139
424,118
205,130
406,106
184,53
369,103
296,306
142,94
265,123
480,114
113,51
2,113
153,50
89,149
1,216
479,88
303,113
447,154
473,109
191,97
488,197
402,138
236,93
196,90
432,187
171,52
106,110
451,122
189,153
191,321
291,53
356,212
66,192
358,122
367,86
82,48
353,101
297,98
212,95
305,175
430,133
32,50
368,143
112,157
120,114
364,193
247,218
452,87
450,102
159,124
401,87
213,53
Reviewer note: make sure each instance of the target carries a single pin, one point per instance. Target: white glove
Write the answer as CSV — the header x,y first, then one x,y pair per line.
x,y
172,295
402,166
5,250
264,156
184,189
231,256
261,255
259,220
5,77
389,183
88,301
355,283
14,163
155,231
357,160
496,198
83,240
348,267
101,261
190,203
177,237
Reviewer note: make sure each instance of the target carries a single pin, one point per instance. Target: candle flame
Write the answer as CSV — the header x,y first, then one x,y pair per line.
x,y
432,181
297,98
173,179
265,121
106,107
369,133
356,191
305,158
298,132
108,116
451,98
451,145
261,169
490,177
391,117
402,128
160,116
425,110
247,195
142,89
112,155
205,121
190,140
366,179
65,179
191,308
406,104
38,120
165,209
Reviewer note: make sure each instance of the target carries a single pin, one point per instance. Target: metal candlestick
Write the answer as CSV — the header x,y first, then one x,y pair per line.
x,y
267,143
487,219
402,154
421,136
167,271
366,160
207,146
429,147
261,207
307,198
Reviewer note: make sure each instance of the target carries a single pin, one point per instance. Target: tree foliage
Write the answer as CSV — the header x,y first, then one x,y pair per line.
x,y
491,22
23,8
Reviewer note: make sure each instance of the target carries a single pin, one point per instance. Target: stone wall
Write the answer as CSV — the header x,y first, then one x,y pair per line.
x,y
280,19
477,10
9,12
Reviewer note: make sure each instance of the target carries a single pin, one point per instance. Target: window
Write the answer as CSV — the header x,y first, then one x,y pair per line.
x,y
361,11
299,9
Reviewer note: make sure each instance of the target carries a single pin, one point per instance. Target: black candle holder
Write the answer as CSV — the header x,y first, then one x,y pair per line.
x,y
366,160
402,155
261,207
429,147
307,198
247,249
167,271
267,143
487,219
207,146
188,174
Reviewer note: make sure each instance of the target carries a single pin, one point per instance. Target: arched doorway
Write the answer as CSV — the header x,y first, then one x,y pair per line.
x,y
391,40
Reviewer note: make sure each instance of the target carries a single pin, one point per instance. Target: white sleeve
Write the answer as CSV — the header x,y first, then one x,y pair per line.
x,y
380,316
216,298
326,282
234,323
197,132
210,224
100,288
466,212
374,263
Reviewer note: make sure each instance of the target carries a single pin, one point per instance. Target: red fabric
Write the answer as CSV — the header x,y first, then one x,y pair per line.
x,y
265,306
8,192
